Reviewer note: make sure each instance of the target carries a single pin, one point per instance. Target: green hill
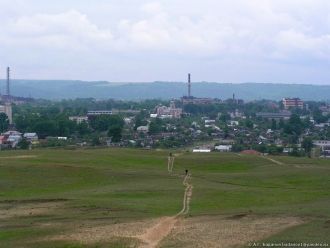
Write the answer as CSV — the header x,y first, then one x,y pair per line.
x,y
117,197
54,89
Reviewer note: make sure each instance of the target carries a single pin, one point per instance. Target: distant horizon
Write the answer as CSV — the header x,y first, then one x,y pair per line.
x,y
57,89
161,81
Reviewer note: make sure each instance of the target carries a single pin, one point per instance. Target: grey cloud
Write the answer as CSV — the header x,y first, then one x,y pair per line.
x,y
254,34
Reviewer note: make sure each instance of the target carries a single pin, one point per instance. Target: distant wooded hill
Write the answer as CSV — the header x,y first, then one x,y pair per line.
x,y
55,89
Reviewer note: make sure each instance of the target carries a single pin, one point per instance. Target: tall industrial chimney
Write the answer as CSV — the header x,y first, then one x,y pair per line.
x,y
8,81
189,85
8,108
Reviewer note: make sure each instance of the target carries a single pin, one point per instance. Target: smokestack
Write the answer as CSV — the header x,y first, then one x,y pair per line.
x,y
189,85
8,81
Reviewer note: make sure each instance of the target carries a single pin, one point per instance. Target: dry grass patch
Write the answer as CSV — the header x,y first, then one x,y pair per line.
x,y
226,232
10,210
94,234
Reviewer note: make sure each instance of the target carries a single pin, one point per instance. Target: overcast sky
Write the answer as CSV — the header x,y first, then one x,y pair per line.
x,y
232,41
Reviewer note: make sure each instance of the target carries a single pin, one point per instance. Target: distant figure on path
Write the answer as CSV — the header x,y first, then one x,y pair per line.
x,y
186,172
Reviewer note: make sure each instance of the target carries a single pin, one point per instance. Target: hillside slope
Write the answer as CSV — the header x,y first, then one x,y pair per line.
x,y
54,89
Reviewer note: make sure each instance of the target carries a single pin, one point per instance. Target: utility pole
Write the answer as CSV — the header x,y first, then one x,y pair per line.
x,y
8,81
189,85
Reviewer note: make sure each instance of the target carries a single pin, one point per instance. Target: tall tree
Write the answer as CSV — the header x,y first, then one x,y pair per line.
x,y
46,128
155,126
307,144
4,122
104,122
115,132
274,124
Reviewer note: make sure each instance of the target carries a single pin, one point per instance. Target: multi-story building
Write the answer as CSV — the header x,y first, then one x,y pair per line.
x,y
78,119
324,145
169,112
32,137
325,110
285,115
99,112
11,138
293,103
7,109
199,101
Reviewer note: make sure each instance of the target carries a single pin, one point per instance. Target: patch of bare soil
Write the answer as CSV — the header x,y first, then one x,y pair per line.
x,y
12,209
196,232
178,154
226,232
237,217
19,157
327,224
92,234
311,167
157,233
31,201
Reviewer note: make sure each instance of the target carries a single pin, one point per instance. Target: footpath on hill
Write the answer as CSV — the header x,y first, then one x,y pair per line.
x,y
222,230
155,234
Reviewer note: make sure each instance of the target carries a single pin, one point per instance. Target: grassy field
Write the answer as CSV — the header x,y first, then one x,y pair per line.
x,y
52,193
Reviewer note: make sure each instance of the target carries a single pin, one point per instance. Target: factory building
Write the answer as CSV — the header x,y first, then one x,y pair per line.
x,y
189,99
6,107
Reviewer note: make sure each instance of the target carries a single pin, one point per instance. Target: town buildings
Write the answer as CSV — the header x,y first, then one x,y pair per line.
x,y
293,103
169,112
285,115
223,148
143,129
199,101
78,119
11,138
324,145
325,110
31,137
99,112
201,150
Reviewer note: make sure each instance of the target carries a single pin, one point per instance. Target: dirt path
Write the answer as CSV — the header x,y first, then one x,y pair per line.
x,y
187,196
19,157
171,160
274,161
155,234
170,164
